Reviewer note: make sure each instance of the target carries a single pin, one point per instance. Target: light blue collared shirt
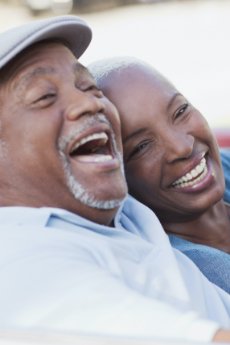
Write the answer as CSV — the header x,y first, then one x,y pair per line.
x,y
59,271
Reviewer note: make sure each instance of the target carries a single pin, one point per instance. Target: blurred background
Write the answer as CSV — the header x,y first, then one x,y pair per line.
x,y
187,40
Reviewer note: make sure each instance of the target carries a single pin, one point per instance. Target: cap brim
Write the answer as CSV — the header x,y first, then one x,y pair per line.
x,y
73,30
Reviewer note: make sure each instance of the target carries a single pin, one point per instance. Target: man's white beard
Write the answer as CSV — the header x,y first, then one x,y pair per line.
x,y
79,192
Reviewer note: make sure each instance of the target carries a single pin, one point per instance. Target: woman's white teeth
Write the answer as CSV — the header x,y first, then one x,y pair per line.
x,y
194,176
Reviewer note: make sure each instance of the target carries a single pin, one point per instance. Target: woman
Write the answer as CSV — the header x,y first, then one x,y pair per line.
x,y
172,162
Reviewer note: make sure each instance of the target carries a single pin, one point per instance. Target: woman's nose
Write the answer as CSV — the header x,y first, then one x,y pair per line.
x,y
178,146
84,103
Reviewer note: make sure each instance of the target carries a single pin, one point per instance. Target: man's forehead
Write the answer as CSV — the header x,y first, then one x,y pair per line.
x,y
77,68
21,63
74,64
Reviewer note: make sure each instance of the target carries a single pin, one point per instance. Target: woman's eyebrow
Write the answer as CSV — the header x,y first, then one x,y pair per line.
x,y
173,99
82,71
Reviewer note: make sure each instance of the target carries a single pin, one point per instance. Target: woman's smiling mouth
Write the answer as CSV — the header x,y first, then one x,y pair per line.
x,y
193,176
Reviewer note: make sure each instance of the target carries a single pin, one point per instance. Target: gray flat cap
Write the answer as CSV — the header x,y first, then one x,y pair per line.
x,y
70,28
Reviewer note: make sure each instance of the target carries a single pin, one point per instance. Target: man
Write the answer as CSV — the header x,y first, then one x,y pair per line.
x,y
75,254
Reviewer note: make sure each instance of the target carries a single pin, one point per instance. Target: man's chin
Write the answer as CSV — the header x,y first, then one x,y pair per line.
x,y
98,203
101,194
106,205
102,201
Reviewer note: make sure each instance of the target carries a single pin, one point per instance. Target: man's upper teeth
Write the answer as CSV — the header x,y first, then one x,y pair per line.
x,y
200,168
95,136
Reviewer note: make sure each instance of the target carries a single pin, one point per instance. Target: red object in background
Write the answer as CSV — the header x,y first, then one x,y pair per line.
x,y
223,136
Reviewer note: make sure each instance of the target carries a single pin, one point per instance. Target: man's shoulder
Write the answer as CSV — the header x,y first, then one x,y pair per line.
x,y
29,239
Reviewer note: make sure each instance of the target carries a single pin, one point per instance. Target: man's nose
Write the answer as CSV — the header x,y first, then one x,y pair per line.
x,y
83,103
178,146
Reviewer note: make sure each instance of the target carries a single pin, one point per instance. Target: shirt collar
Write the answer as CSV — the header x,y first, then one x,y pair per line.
x,y
18,215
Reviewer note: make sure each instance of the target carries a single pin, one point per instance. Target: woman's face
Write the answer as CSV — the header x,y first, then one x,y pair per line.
x,y
171,157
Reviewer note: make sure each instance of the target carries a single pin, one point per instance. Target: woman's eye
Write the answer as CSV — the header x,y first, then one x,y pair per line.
x,y
138,149
181,110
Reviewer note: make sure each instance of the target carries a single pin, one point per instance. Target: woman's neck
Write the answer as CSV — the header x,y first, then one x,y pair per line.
x,y
212,228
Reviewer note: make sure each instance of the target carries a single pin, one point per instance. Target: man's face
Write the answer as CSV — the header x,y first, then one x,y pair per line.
x,y
60,137
171,158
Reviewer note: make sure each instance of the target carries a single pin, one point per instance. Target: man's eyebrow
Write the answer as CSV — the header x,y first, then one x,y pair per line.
x,y
134,134
173,99
28,77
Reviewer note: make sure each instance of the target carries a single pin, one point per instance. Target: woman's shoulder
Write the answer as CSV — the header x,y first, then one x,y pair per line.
x,y
225,159
213,263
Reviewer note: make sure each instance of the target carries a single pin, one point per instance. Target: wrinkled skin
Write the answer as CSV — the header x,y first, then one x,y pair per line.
x,y
165,138
47,96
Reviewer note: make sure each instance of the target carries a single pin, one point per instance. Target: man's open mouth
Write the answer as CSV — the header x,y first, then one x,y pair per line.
x,y
94,147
